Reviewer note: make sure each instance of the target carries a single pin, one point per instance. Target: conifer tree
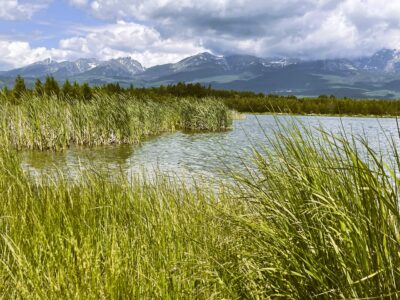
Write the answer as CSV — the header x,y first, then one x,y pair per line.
x,y
51,86
38,89
86,92
19,87
76,90
67,89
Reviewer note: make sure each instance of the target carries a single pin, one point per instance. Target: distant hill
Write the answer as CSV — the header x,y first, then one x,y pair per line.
x,y
375,76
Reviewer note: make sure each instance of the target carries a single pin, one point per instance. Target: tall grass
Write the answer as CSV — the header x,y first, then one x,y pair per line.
x,y
50,123
107,238
198,115
318,219
323,219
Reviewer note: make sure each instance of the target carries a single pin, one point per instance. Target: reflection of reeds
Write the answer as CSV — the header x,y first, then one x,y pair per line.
x,y
50,123
319,219
237,115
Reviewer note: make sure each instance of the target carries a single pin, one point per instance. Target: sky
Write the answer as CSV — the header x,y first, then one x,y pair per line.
x,y
163,31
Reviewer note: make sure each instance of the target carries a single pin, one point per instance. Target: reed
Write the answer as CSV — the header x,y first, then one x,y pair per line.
x,y
318,219
200,115
322,218
51,123
106,237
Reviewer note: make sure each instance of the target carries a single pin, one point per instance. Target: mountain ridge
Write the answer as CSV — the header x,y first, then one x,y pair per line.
x,y
373,76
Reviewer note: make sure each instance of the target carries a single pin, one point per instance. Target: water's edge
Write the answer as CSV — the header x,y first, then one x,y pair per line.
x,y
198,154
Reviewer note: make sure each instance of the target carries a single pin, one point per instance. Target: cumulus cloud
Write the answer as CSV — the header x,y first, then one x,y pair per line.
x,y
17,10
121,39
306,28
19,53
129,39
162,31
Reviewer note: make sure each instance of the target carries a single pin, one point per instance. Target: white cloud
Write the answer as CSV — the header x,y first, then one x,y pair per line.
x,y
17,10
307,28
161,31
17,53
143,9
129,39
121,39
79,3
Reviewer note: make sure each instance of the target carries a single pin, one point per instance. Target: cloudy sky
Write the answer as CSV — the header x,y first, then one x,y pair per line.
x,y
161,31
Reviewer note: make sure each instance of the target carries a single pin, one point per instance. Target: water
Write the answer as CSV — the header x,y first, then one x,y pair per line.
x,y
201,154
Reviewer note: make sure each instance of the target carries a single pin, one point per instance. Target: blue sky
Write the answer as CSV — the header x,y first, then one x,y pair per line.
x,y
162,31
46,27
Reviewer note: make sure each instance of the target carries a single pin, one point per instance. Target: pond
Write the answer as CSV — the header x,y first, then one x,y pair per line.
x,y
199,154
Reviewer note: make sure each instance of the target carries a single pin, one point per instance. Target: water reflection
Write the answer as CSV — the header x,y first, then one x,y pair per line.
x,y
75,158
200,154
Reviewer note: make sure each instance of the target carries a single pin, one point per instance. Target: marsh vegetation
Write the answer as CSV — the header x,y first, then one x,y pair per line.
x,y
46,122
317,218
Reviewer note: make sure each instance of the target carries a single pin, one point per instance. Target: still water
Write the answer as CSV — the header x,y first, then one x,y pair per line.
x,y
199,154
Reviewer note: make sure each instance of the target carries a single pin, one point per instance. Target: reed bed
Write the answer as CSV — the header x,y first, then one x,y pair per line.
x,y
106,238
47,122
200,115
322,219
319,219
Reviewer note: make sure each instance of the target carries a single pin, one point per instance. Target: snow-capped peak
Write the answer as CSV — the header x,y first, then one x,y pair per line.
x,y
47,61
85,64
133,66
201,59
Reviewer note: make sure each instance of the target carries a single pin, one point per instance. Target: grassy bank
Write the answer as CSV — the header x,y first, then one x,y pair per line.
x,y
48,122
320,219
248,102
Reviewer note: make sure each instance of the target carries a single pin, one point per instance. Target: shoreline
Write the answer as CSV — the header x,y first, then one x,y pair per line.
x,y
323,115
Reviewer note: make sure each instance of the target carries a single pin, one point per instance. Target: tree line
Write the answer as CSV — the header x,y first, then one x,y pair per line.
x,y
50,87
237,100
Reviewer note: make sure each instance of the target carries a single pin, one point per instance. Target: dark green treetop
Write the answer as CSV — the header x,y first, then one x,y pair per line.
x,y
51,86
19,87
38,89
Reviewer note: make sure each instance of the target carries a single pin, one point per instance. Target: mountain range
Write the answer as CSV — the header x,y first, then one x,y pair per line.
x,y
373,76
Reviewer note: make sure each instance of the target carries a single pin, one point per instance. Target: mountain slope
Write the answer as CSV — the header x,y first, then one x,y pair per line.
x,y
120,67
48,66
374,76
